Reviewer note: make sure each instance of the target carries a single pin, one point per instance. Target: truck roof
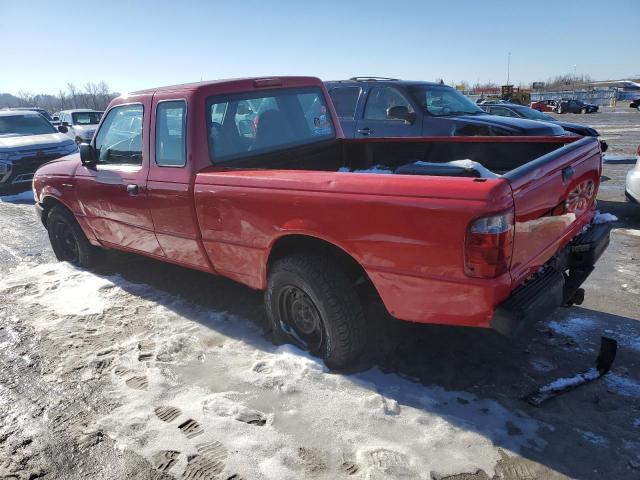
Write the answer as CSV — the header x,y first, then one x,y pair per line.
x,y
234,83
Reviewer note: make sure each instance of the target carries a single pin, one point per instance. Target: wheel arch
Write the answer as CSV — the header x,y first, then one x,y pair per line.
x,y
49,201
302,243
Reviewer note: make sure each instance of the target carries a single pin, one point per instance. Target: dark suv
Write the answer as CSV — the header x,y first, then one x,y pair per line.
x,y
384,107
568,105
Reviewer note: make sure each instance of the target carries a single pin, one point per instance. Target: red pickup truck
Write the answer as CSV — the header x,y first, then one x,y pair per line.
x,y
253,179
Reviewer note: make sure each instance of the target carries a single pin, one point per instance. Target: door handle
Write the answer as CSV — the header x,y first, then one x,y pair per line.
x,y
133,190
365,131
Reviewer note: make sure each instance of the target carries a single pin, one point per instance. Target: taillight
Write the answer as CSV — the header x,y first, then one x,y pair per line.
x,y
489,245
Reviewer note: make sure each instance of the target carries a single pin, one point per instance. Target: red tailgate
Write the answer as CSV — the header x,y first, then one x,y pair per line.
x,y
554,198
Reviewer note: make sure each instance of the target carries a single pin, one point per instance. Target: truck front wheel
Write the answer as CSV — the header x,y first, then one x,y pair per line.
x,y
312,304
67,239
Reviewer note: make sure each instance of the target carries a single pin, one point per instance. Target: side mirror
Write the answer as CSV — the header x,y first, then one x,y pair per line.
x,y
56,119
65,124
87,155
401,113
62,129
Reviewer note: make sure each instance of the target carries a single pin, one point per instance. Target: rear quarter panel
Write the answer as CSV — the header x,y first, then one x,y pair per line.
x,y
407,232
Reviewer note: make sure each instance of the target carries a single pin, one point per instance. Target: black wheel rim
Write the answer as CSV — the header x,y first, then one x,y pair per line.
x,y
300,319
66,242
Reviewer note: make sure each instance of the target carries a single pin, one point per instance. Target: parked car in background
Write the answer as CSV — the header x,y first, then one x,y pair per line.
x,y
41,111
377,107
80,123
635,104
575,106
521,111
287,209
27,141
544,105
632,189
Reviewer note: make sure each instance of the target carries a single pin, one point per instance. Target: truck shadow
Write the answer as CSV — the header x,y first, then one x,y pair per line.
x,y
474,379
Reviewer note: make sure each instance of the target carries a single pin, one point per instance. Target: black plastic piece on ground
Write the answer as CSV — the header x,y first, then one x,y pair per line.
x,y
608,350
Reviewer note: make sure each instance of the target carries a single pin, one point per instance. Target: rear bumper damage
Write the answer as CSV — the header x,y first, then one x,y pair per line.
x,y
557,284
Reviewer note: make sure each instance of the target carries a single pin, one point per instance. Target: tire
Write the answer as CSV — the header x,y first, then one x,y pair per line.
x,y
583,111
312,304
67,239
560,110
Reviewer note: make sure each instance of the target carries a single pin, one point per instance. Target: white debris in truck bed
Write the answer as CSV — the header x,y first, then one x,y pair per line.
x,y
376,169
604,218
466,163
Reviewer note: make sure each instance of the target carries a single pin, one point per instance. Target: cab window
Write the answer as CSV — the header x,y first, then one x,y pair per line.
x,y
248,124
119,140
170,133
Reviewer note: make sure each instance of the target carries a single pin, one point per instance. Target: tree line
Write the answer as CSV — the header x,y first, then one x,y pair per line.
x,y
92,95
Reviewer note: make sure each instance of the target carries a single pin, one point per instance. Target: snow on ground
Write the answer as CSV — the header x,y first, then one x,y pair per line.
x,y
196,382
592,437
623,385
573,327
23,197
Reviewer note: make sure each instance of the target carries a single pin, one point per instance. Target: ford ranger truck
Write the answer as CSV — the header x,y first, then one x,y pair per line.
x,y
254,180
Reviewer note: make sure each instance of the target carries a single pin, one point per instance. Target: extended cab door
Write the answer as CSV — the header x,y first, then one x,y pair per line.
x,y
376,123
170,181
113,193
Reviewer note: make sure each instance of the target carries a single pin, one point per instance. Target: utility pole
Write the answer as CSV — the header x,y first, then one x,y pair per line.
x,y
508,67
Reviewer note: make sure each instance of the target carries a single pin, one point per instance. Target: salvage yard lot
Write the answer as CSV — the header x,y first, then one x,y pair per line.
x,y
137,368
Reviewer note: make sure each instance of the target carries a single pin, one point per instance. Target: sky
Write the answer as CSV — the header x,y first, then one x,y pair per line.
x,y
140,44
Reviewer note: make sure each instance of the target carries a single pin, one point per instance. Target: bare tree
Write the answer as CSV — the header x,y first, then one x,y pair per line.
x,y
73,94
26,98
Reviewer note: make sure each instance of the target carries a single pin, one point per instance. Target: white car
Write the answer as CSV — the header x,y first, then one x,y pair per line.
x,y
632,190
80,123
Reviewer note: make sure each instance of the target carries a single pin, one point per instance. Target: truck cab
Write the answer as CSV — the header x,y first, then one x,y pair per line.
x,y
385,107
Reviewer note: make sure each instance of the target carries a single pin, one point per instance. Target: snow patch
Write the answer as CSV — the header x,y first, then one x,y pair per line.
x,y
567,382
23,197
604,218
61,288
466,163
592,437
573,327
623,385
628,231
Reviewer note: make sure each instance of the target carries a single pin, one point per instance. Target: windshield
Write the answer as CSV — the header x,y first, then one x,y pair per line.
x,y
25,125
535,115
440,100
86,118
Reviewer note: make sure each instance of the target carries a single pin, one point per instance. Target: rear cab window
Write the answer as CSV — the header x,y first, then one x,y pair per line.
x,y
251,123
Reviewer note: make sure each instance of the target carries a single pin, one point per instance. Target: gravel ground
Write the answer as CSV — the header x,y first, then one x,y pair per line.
x,y
143,370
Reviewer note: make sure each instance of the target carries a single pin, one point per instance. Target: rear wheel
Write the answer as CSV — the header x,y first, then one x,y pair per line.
x,y
67,239
583,111
312,304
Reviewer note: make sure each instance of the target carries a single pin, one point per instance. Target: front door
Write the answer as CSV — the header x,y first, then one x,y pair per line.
x,y
375,121
113,193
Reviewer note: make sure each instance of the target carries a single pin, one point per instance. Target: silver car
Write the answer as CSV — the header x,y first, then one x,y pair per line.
x,y
632,189
27,141
80,123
